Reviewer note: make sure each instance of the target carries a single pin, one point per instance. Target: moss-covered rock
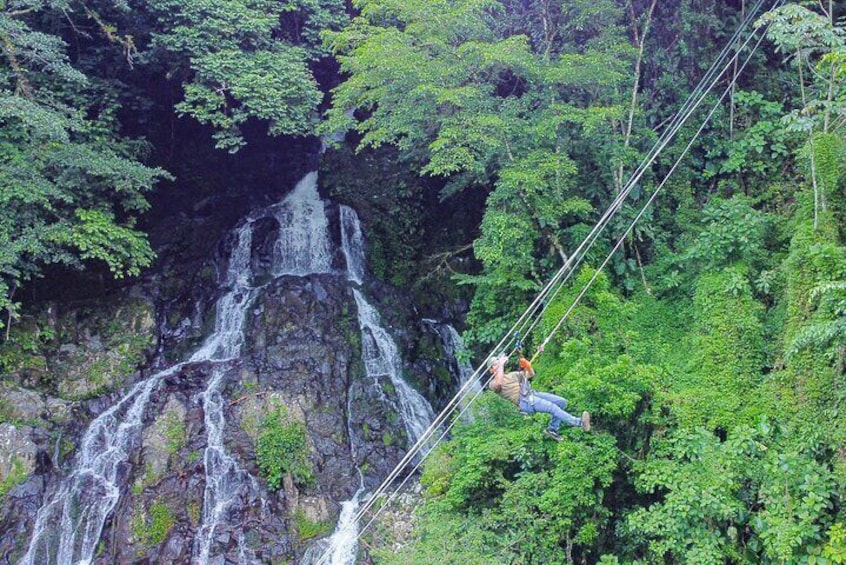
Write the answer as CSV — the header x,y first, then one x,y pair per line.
x,y
101,348
17,456
162,440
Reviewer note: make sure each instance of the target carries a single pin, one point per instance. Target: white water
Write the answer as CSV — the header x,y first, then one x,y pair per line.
x,y
454,348
381,358
341,548
228,336
352,243
68,527
302,247
226,482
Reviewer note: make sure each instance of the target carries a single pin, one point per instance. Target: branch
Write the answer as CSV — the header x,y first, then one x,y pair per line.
x,y
126,41
442,260
17,13
22,86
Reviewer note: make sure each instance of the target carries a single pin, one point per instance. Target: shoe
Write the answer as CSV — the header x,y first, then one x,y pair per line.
x,y
553,434
586,420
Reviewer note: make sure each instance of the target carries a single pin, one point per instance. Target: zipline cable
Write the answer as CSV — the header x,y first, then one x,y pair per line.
x,y
694,100
675,128
693,103
648,202
553,287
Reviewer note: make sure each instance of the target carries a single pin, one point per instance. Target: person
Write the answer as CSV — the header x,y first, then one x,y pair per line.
x,y
515,386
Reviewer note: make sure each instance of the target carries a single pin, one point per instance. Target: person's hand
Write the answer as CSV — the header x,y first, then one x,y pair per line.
x,y
498,363
540,348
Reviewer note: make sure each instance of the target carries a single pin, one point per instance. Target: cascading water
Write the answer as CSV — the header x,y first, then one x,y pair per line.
x,y
68,527
382,359
302,247
352,243
454,348
342,546
226,481
87,496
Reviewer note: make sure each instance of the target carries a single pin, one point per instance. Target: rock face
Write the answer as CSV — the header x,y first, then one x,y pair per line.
x,y
61,365
301,350
17,454
305,342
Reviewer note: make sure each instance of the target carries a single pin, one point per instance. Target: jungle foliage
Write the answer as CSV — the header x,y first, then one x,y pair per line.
x,y
712,349
711,354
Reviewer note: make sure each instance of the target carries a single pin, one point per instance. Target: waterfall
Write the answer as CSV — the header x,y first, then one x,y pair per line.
x,y
68,527
352,243
381,358
75,515
454,348
225,481
228,336
302,247
341,547
70,523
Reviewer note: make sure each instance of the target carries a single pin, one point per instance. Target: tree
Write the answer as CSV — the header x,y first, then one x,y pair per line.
x,y
512,495
759,496
245,59
478,95
818,49
71,186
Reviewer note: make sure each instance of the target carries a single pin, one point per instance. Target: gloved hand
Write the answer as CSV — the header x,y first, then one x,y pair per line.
x,y
525,364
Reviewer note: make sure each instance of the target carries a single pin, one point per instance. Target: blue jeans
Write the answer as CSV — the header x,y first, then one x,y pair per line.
x,y
549,404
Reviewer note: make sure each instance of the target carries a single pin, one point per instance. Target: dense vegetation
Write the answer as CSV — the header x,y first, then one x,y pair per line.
x,y
712,350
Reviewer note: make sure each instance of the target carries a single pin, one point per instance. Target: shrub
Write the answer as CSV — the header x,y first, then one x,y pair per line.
x,y
282,449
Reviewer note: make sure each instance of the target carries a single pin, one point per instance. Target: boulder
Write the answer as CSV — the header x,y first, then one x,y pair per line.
x,y
18,455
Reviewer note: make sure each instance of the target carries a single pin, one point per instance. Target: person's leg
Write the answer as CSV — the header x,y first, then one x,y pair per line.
x,y
558,415
554,398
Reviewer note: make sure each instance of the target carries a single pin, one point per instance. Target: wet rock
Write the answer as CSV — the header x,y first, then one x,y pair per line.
x,y
317,508
164,438
302,350
103,346
58,411
18,454
21,404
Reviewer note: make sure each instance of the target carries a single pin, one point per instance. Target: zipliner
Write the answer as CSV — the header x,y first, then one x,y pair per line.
x,y
515,387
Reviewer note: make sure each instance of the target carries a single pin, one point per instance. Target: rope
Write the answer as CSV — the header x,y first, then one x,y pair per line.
x,y
691,104
533,314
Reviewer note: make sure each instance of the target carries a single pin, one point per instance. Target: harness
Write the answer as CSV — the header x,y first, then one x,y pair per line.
x,y
526,388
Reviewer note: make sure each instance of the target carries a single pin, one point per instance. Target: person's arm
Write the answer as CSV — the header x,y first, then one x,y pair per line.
x,y
498,370
526,365
528,370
